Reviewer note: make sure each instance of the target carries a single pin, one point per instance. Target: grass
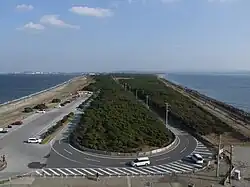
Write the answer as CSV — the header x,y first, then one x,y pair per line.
x,y
50,137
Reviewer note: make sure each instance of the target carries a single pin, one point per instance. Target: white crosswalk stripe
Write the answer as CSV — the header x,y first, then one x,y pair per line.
x,y
174,167
202,150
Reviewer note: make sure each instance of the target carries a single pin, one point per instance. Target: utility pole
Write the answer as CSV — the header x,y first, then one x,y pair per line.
x,y
167,110
231,164
218,158
136,94
125,87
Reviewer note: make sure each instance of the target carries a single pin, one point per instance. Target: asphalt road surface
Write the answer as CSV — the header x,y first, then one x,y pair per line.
x,y
22,157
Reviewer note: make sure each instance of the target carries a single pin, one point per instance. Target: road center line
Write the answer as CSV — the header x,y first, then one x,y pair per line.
x,y
91,160
183,149
162,159
67,151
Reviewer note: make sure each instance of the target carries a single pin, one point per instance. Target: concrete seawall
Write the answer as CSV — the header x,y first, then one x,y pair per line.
x,y
17,103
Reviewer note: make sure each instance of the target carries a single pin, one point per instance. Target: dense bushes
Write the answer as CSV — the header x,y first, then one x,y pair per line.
x,y
56,100
27,110
117,122
40,106
183,111
60,123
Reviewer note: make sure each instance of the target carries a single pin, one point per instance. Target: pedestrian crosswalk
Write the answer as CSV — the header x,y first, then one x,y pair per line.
x,y
203,151
174,167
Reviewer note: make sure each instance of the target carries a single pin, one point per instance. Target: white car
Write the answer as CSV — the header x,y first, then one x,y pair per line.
x,y
142,161
40,111
34,140
197,158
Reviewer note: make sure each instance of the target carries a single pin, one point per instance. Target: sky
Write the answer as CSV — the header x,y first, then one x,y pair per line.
x,y
117,35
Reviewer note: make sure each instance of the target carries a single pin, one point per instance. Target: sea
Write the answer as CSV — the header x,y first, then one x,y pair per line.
x,y
15,86
233,89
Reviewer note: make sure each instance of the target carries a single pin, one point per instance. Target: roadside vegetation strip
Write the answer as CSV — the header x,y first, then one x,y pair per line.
x,y
52,131
183,111
117,122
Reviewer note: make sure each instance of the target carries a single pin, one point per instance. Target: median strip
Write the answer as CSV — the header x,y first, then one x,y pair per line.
x,y
52,131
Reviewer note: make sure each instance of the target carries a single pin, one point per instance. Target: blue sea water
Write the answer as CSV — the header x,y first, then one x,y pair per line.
x,y
15,86
231,89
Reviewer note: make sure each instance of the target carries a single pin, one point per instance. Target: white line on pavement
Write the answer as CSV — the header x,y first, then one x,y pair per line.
x,y
68,151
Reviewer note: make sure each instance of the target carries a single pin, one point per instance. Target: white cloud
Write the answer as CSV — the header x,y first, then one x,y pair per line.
x,y
33,26
54,20
87,11
24,7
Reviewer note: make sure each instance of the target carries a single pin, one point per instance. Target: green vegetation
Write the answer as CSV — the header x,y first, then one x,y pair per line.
x,y
27,110
41,106
115,121
47,136
183,111
56,100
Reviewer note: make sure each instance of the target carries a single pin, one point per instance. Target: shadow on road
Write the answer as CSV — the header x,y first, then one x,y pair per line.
x,y
36,165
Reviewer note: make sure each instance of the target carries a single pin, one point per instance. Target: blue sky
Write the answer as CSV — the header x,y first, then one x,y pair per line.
x,y
109,35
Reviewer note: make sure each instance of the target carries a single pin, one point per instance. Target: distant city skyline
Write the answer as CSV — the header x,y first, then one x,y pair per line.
x,y
125,35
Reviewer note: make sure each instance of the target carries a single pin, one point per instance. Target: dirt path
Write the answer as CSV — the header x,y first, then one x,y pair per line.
x,y
13,111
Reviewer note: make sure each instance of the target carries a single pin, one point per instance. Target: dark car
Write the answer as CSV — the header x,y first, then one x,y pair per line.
x,y
9,126
17,123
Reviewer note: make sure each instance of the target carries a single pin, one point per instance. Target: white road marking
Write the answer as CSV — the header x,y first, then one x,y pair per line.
x,y
104,171
120,170
89,159
162,159
47,173
95,171
38,173
125,158
87,171
203,153
68,151
79,171
148,171
69,171
183,150
130,171
181,167
162,170
138,170
62,171
112,171
169,169
54,172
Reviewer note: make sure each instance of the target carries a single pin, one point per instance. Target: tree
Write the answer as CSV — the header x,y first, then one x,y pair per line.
x,y
56,100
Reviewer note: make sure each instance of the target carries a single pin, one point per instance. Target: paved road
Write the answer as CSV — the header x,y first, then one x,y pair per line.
x,y
22,157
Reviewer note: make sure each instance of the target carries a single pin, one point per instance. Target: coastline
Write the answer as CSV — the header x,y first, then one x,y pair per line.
x,y
13,110
36,93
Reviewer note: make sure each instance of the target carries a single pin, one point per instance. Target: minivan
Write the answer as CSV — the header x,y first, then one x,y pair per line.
x,y
143,161
197,158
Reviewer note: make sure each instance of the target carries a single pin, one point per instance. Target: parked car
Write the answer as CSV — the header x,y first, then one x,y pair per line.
x,y
34,140
142,161
9,126
3,130
17,123
40,111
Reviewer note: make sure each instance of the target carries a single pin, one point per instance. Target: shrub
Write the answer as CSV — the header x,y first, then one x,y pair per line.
x,y
117,122
56,100
27,110
40,106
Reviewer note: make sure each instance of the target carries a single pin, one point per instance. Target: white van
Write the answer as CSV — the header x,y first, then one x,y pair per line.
x,y
142,161
34,140
197,158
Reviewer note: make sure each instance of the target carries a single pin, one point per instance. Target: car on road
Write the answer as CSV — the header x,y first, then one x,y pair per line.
x,y
34,140
142,161
197,158
3,130
17,123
